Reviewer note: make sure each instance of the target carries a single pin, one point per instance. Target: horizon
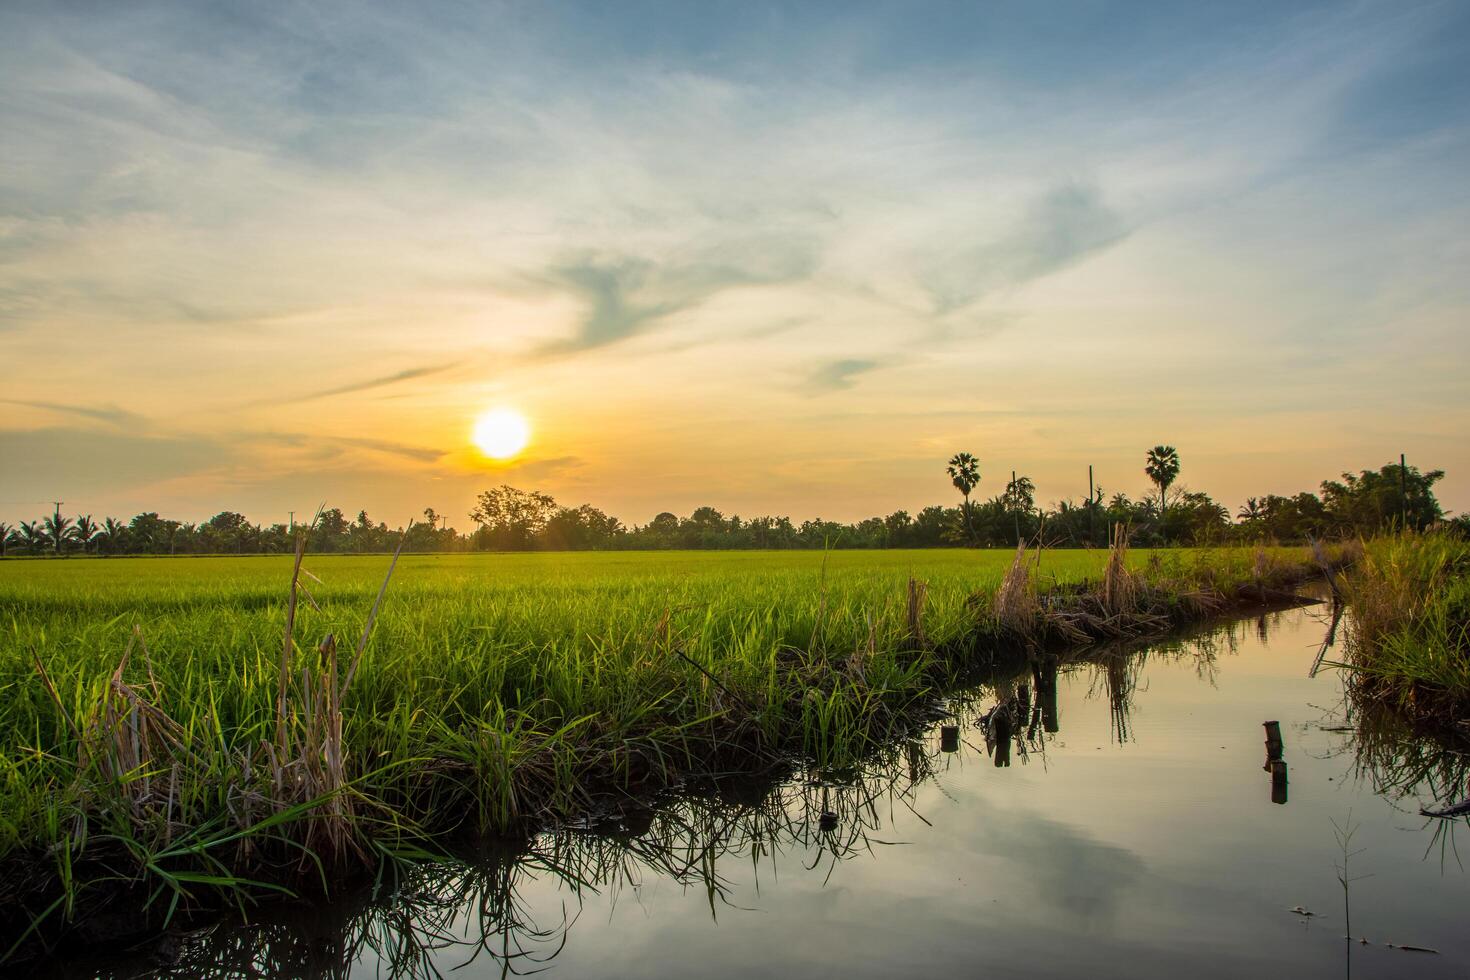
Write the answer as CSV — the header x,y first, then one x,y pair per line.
x,y
775,260
1140,495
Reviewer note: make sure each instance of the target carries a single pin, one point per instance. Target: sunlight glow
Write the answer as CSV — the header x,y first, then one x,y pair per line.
x,y
501,433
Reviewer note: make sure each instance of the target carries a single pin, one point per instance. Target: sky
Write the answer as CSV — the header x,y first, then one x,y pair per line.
x,y
774,258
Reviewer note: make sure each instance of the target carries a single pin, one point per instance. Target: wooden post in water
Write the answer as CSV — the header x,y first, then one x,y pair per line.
x,y
949,738
1001,728
1046,695
1278,782
1274,745
1274,764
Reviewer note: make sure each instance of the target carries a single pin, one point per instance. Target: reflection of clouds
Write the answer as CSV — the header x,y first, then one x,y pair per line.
x,y
1070,871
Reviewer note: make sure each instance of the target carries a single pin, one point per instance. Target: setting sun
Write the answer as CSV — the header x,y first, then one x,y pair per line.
x,y
501,433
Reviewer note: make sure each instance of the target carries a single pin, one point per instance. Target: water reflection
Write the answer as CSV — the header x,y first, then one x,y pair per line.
x,y
512,909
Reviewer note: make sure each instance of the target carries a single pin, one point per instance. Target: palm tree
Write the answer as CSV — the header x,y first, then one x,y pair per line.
x,y
85,532
964,473
7,536
114,532
57,530
32,536
1162,467
1252,511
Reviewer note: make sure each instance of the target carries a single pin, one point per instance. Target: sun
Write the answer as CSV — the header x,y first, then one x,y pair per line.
x,y
501,433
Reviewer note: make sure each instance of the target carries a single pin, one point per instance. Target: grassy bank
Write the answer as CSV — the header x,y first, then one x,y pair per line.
x,y
195,731
1408,629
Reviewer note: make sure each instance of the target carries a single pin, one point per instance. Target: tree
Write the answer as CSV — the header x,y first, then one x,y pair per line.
x,y
32,537
964,473
510,519
7,537
113,536
1389,496
57,530
1019,498
1162,467
148,531
225,531
84,532
1252,512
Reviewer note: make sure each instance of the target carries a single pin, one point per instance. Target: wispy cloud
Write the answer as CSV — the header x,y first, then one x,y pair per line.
x,y
111,414
421,454
625,295
197,205
1063,227
838,375
382,381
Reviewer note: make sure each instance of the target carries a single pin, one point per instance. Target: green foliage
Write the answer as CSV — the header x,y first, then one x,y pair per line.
x,y
1409,632
1162,467
512,519
495,688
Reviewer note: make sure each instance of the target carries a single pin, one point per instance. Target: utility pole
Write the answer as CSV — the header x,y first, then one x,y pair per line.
x,y
56,525
1403,494
1091,511
1015,510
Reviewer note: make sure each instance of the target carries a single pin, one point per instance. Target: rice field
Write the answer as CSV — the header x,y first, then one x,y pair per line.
x,y
163,728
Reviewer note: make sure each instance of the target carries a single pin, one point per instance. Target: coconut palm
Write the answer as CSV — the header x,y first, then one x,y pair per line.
x,y
32,536
964,473
7,537
114,533
58,531
1252,511
1162,467
84,532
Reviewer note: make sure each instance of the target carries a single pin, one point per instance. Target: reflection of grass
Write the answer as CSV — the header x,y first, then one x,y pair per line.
x,y
1408,633
495,690
434,917
1402,759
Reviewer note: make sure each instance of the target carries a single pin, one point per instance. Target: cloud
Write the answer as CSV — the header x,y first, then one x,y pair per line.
x,y
368,385
420,453
625,295
325,447
543,469
79,464
838,375
110,414
1063,227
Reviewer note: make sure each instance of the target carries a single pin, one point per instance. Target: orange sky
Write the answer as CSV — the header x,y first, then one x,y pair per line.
x,y
263,264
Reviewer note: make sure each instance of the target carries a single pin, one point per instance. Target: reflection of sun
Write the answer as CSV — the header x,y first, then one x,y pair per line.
x,y
501,433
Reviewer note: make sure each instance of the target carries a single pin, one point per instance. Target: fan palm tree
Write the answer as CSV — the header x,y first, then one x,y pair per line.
x,y
1162,467
84,532
964,473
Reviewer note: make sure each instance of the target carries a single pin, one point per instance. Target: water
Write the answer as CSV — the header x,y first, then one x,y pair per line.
x,y
1140,839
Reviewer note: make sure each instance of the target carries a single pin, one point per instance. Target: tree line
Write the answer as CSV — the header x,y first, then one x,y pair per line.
x,y
510,519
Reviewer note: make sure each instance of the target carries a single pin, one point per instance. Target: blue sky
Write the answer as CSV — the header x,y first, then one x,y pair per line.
x,y
774,257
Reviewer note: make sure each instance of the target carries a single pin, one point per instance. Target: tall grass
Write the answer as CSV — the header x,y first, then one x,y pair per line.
x,y
163,741
1408,632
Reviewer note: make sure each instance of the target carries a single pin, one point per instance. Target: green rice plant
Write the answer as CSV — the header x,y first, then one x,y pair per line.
x,y
168,728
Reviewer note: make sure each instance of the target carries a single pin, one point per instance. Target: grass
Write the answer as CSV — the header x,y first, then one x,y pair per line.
x,y
1408,633
193,731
